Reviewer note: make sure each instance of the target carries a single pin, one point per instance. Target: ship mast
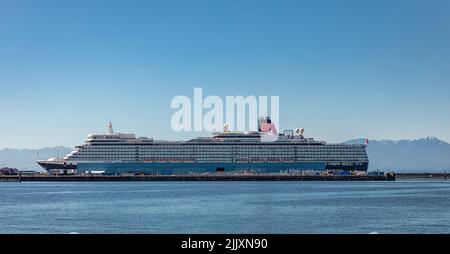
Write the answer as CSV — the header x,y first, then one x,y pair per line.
x,y
109,129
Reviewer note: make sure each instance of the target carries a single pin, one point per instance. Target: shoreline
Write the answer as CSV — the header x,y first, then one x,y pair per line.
x,y
261,177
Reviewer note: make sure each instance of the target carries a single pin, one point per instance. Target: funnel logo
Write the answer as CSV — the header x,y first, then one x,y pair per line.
x,y
242,114
268,130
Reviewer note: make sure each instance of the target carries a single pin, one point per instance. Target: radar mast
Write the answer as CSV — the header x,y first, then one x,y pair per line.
x,y
109,129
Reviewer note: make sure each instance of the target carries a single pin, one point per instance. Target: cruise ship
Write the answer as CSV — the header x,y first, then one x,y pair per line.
x,y
262,151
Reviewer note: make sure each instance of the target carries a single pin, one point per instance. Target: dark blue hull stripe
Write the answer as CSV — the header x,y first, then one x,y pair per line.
x,y
180,168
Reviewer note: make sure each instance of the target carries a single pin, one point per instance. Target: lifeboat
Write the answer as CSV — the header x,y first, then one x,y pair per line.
x,y
272,160
241,161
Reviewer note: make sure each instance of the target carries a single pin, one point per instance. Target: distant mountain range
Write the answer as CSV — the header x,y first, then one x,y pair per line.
x,y
419,155
25,159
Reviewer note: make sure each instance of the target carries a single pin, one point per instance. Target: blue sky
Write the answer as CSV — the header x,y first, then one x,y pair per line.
x,y
343,69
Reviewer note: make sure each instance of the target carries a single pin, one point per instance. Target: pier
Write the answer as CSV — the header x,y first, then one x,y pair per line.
x,y
434,176
256,177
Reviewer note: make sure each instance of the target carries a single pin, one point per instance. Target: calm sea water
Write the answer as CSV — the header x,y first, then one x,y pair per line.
x,y
226,207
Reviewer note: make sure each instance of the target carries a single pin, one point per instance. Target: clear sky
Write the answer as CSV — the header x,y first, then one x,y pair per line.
x,y
343,69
